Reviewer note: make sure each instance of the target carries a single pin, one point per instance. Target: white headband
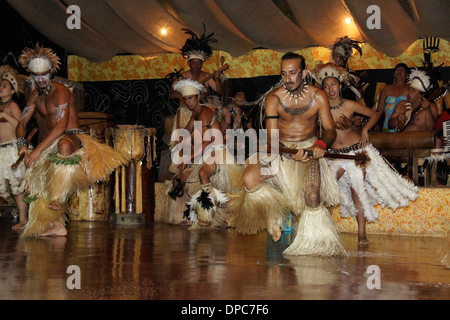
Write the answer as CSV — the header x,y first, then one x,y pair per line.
x,y
39,65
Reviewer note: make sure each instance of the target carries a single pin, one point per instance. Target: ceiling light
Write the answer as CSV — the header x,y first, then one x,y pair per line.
x,y
348,20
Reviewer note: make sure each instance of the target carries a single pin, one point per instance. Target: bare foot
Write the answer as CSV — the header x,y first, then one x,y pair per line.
x,y
19,227
276,234
203,223
224,225
362,241
55,205
57,230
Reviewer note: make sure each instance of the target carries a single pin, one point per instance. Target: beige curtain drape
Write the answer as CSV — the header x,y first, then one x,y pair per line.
x,y
111,27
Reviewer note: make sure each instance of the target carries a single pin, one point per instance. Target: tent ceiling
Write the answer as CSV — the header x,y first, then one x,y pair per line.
x,y
111,27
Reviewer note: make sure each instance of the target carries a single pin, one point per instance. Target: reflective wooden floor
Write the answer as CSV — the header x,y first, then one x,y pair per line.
x,y
166,262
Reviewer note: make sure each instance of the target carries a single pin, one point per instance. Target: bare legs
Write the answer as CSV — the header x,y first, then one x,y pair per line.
x,y
360,219
57,229
23,213
67,145
311,192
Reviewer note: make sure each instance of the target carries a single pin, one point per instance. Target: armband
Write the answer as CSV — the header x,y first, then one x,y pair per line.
x,y
21,142
320,143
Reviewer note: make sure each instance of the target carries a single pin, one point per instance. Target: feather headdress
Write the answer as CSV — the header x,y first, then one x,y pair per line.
x,y
344,47
329,69
174,76
39,60
9,73
188,87
197,47
419,80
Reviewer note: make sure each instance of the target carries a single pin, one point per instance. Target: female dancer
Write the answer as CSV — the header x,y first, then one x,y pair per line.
x,y
361,187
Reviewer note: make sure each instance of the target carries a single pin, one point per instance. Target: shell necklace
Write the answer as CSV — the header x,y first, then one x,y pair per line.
x,y
300,95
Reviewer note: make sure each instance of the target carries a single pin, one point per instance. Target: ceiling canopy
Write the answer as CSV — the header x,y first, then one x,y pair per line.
x,y
150,27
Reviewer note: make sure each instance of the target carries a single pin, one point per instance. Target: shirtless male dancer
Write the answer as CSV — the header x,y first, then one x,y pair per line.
x,y
65,160
302,183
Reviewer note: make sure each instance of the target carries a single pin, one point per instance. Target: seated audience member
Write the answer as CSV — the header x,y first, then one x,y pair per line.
x,y
392,94
415,113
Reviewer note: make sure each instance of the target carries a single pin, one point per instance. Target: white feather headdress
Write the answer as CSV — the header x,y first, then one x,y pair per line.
x,y
188,87
419,80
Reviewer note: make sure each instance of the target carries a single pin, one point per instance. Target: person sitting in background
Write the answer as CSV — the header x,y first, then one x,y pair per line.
x,y
236,119
207,172
392,94
415,113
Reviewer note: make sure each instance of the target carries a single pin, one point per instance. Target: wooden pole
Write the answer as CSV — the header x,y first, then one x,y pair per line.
x,y
116,191
139,187
122,198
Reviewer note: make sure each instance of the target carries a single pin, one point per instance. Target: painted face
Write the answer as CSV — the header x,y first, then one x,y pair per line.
x,y
291,74
42,79
331,86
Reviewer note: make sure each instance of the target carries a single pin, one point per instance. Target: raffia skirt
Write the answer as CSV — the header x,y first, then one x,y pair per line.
x,y
56,177
225,180
265,206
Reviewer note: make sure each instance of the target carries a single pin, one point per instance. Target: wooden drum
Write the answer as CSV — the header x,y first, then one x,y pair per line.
x,y
129,141
94,202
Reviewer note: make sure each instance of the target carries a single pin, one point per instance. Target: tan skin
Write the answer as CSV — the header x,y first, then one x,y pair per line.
x,y
228,117
297,128
397,89
205,115
9,118
346,136
423,120
196,73
47,106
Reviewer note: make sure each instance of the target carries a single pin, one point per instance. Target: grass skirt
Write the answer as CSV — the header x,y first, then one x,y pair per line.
x,y
225,180
56,177
265,206
316,234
